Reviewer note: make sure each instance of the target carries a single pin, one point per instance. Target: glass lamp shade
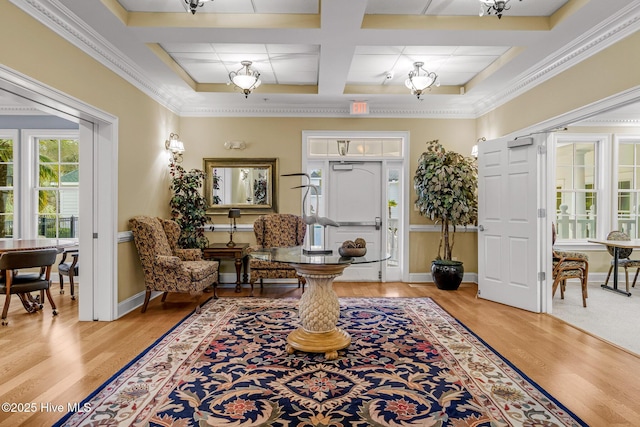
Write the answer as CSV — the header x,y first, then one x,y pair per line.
x,y
419,82
245,78
176,146
245,82
420,79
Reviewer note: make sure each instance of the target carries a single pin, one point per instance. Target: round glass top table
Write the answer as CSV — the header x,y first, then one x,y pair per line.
x,y
319,308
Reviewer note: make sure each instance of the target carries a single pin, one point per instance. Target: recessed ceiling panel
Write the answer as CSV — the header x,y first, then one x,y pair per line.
x,y
460,7
292,48
473,64
187,47
336,50
285,6
239,48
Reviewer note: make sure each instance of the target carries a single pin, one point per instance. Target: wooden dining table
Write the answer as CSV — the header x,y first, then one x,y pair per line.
x,y
29,302
617,245
34,244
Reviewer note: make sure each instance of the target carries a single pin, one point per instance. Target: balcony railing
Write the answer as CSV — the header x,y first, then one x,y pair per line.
x,y
67,228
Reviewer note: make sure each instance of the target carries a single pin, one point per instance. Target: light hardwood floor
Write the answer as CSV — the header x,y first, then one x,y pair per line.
x,y
59,360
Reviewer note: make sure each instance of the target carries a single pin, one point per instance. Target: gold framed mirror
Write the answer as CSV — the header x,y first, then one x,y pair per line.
x,y
247,184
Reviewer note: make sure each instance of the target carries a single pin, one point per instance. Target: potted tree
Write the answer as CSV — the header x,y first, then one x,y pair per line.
x,y
188,206
446,185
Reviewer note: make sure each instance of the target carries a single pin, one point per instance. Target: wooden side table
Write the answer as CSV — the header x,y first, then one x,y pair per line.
x,y
237,252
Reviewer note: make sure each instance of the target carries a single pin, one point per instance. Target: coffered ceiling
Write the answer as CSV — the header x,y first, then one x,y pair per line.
x,y
317,56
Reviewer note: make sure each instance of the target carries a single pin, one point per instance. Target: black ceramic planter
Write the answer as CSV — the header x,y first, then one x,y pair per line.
x,y
447,275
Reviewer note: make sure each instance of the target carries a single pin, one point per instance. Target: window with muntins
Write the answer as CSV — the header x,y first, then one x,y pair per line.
x,y
57,187
597,181
6,186
576,189
628,186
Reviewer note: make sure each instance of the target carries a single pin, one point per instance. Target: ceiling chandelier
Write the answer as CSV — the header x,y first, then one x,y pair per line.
x,y
194,4
420,79
246,78
494,7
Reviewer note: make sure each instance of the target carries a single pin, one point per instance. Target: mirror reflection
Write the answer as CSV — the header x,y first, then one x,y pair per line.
x,y
246,184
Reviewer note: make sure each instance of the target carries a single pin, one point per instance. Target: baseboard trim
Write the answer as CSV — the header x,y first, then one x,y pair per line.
x,y
133,302
427,278
228,280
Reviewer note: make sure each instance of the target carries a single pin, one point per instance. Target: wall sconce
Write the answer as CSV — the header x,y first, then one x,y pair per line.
x,y
235,145
175,146
474,149
233,214
343,147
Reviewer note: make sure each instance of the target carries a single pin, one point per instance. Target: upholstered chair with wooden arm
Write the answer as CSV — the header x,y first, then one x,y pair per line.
x,y
168,268
271,231
569,265
624,259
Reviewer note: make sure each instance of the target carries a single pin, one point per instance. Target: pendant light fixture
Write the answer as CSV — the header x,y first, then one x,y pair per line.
x,y
420,79
246,78
494,7
194,4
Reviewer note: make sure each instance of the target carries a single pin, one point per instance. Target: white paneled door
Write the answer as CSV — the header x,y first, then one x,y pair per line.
x,y
508,223
355,202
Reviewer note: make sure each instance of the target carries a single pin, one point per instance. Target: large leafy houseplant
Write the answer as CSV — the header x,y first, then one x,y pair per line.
x,y
188,206
446,185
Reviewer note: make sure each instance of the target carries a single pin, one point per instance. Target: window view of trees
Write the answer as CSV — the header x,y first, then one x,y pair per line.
x,y
6,188
58,195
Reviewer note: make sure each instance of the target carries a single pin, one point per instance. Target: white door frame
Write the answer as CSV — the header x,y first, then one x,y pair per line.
x,y
401,161
98,188
618,100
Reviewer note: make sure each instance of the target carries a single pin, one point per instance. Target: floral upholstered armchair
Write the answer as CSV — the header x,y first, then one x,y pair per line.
x,y
271,231
166,267
569,265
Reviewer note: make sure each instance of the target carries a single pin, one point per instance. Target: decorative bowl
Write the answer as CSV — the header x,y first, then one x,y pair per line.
x,y
352,252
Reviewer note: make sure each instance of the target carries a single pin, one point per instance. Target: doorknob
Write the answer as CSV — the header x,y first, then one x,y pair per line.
x,y
481,228
378,223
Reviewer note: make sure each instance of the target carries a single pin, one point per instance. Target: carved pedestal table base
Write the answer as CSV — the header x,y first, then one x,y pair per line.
x,y
319,311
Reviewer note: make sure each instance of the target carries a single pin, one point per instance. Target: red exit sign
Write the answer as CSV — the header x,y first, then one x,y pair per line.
x,y
359,108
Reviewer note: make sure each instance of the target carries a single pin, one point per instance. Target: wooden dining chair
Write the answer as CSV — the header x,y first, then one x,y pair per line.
x,y
16,281
569,265
70,269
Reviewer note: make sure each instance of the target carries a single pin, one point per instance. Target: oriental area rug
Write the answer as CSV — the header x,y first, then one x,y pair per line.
x,y
409,364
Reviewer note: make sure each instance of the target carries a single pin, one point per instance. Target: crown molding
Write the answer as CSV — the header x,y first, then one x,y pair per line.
x,y
610,123
326,111
63,22
17,110
59,19
625,22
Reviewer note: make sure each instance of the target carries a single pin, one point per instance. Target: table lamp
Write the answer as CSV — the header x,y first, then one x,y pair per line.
x,y
233,214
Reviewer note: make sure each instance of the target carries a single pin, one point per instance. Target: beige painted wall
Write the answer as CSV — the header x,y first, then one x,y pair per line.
x,y
606,73
282,138
30,48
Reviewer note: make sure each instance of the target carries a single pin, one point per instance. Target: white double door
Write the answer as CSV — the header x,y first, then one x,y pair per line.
x,y
513,230
355,202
